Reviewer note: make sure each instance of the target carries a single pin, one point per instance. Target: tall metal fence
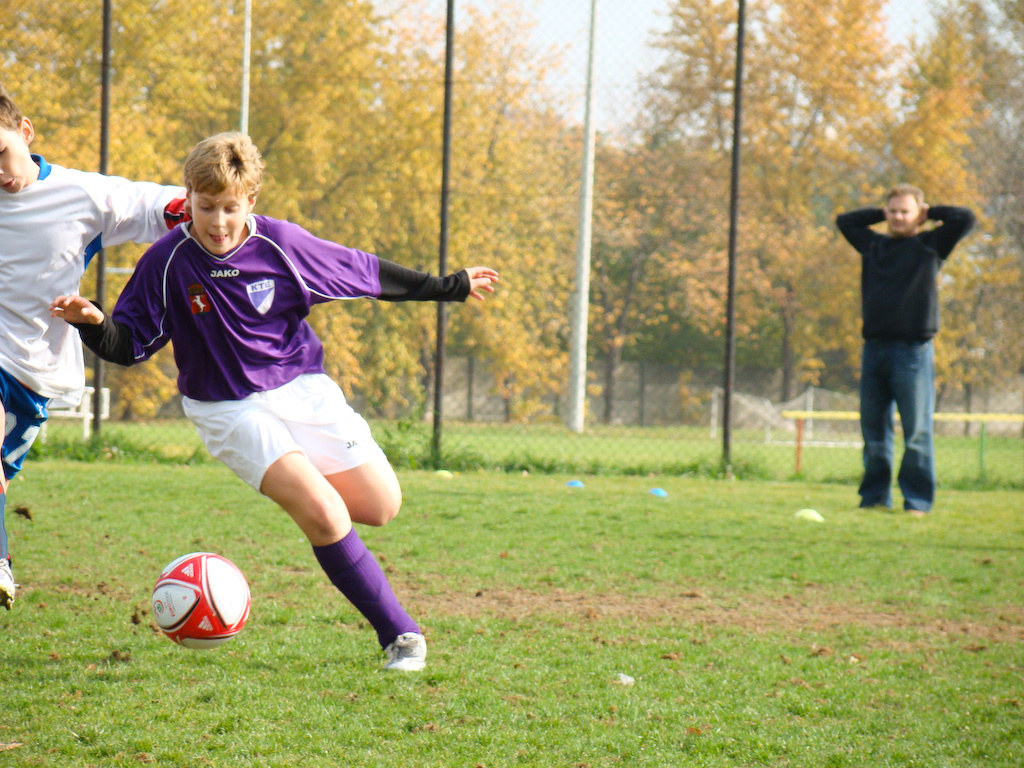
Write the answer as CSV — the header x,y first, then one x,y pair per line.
x,y
345,101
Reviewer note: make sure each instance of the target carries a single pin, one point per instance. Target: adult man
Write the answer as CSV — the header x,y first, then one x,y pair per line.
x,y
900,314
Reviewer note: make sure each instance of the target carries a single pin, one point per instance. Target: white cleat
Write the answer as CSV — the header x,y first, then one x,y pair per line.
x,y
8,587
408,653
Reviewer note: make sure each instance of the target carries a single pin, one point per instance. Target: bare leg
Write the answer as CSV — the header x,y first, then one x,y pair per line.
x,y
319,510
370,491
316,507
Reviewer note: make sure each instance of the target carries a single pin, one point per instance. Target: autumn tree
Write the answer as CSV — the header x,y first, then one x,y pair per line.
x,y
510,206
346,109
643,216
52,68
346,105
659,198
957,103
815,100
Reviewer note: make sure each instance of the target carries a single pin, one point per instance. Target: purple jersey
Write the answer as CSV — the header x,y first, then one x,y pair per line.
x,y
238,321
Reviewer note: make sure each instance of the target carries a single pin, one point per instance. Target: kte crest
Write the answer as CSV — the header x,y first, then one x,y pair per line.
x,y
261,295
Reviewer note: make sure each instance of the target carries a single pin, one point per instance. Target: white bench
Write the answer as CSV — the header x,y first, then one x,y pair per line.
x,y
83,412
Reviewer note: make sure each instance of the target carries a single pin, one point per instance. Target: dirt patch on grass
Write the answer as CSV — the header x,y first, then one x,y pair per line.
x,y
694,608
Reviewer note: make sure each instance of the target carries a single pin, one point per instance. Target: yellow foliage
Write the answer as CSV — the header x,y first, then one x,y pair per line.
x,y
143,391
346,106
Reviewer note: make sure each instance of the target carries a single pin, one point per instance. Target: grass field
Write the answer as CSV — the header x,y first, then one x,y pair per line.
x,y
753,638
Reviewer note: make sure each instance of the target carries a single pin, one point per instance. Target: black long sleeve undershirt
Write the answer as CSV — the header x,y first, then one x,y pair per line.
x,y
398,283
112,340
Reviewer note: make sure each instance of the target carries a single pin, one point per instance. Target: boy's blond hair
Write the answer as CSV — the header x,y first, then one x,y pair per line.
x,y
906,189
226,161
10,115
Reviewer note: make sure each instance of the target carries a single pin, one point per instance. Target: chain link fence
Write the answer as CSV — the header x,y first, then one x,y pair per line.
x,y
346,103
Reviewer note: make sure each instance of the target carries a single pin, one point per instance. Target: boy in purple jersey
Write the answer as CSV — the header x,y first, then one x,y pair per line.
x,y
232,291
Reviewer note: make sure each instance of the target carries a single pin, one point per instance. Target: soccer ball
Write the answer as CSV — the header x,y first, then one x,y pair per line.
x,y
201,600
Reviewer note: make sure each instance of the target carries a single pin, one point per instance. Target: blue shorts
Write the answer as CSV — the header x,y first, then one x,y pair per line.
x,y
24,415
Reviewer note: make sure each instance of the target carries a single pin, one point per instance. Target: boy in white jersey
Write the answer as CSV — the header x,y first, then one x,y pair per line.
x,y
52,221
232,290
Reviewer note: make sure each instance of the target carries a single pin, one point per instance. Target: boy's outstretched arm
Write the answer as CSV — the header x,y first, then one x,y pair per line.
x,y
106,337
398,283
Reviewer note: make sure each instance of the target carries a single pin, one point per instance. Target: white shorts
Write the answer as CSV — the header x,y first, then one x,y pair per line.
x,y
309,414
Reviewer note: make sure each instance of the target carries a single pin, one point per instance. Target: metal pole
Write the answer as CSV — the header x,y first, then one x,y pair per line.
x,y
98,371
108,23
243,120
446,164
581,293
730,313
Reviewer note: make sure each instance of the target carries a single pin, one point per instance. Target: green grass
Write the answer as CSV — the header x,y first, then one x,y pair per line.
x,y
754,638
961,462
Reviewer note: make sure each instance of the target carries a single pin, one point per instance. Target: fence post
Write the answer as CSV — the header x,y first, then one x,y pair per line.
x,y
642,395
981,454
810,407
799,444
470,382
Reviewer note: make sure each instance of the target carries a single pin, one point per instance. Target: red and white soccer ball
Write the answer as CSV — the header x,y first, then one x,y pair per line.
x,y
201,600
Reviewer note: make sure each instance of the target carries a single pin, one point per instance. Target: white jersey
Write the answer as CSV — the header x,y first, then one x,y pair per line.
x,y
48,232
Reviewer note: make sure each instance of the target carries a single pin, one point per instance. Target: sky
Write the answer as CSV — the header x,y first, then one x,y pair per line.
x,y
624,29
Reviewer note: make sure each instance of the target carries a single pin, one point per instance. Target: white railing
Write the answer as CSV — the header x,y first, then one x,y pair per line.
x,y
83,412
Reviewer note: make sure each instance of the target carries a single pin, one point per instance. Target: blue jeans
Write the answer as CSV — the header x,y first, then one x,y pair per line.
x,y
898,374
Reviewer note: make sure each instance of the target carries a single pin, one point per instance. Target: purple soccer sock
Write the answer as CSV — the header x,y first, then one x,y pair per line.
x,y
354,570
